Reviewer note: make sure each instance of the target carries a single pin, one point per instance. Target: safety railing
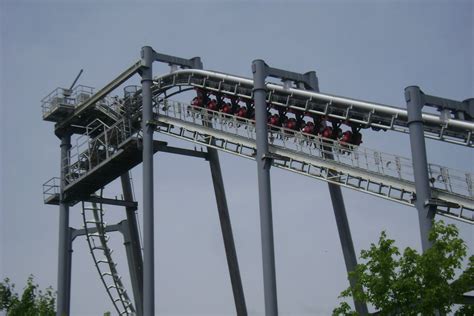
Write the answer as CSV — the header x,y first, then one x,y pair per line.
x,y
58,97
66,98
451,180
82,93
89,151
51,188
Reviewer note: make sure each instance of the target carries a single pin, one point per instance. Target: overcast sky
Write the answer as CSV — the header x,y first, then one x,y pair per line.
x,y
369,50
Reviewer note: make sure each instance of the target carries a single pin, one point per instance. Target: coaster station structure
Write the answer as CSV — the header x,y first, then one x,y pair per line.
x,y
291,126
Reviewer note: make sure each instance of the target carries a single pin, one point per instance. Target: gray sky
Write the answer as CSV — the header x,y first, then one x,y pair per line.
x,y
369,50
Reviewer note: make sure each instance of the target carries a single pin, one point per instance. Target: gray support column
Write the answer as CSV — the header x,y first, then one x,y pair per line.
x,y
259,69
426,213
69,265
64,256
345,237
134,253
148,216
342,222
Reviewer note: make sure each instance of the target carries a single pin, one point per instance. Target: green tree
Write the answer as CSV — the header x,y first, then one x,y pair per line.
x,y
413,283
32,302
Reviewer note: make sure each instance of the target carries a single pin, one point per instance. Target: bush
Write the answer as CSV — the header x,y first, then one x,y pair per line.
x,y
32,302
413,283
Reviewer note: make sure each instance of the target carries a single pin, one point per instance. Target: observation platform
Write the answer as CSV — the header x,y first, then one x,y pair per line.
x,y
62,103
128,155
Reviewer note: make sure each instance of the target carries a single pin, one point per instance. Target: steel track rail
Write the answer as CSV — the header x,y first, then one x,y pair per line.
x,y
364,113
386,176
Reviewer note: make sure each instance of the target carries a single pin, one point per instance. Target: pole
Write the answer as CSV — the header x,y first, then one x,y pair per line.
x,y
148,216
226,228
225,223
340,215
64,255
259,69
426,212
134,254
345,237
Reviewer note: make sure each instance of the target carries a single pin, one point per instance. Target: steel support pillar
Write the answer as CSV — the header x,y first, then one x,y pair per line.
x,y
146,73
69,267
259,70
426,212
64,248
134,253
340,215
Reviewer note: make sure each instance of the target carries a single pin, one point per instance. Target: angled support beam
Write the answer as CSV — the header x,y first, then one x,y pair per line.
x,y
226,227
132,245
345,238
342,222
227,235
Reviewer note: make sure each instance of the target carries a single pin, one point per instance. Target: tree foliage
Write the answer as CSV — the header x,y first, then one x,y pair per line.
x,y
413,283
33,301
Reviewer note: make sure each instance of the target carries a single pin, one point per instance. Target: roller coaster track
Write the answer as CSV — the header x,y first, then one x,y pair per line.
x,y
367,114
383,175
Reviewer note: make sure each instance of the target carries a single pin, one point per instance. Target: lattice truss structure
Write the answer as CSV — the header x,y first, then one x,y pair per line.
x,y
291,126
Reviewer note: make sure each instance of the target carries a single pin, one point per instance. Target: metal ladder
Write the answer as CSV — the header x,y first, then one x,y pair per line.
x,y
97,239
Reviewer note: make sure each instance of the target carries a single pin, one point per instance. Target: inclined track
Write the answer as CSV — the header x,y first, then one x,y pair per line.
x,y
386,176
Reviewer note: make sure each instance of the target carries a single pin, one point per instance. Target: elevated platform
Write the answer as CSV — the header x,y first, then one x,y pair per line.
x,y
59,112
128,156
52,199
